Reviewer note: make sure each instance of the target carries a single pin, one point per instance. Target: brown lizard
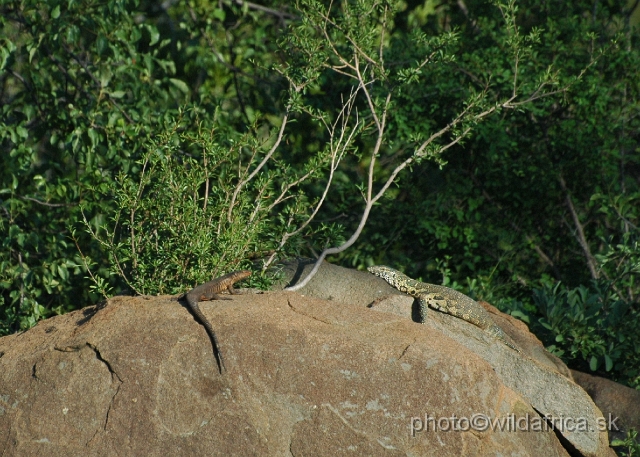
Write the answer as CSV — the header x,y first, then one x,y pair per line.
x,y
209,291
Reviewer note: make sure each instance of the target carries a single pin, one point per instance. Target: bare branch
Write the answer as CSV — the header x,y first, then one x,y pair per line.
x,y
52,205
331,45
254,6
244,182
457,129
363,85
411,159
368,201
350,39
591,261
338,150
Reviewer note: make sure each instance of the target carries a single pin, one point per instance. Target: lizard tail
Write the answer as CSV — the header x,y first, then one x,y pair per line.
x,y
216,348
195,309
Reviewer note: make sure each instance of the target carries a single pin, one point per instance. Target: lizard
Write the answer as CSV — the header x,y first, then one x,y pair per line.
x,y
209,291
443,299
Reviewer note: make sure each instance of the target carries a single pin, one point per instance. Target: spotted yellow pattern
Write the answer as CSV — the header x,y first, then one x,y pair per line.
x,y
443,299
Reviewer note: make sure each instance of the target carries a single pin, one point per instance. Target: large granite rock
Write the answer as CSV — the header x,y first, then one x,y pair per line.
x,y
618,403
306,376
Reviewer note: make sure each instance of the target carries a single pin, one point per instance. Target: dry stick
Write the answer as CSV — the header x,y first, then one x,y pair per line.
x,y
369,200
337,153
206,182
282,197
242,183
591,262
351,40
52,205
419,152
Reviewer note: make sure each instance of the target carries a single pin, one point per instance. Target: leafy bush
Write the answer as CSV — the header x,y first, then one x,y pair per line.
x,y
591,328
628,447
75,90
199,208
84,87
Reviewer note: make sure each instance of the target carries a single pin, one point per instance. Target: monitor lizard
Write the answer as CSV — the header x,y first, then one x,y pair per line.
x,y
209,291
443,299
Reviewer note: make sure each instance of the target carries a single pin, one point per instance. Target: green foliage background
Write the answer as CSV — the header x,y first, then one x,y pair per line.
x,y
95,94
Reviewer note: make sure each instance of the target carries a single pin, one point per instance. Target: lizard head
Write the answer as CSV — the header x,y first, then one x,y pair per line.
x,y
384,272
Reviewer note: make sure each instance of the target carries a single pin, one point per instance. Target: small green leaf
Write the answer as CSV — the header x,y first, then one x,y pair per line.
x,y
520,315
608,363
593,363
219,14
55,13
180,85
6,48
63,272
101,43
155,35
22,132
94,136
32,51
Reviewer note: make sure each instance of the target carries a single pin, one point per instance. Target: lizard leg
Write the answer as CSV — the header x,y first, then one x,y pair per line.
x,y
423,305
232,291
498,333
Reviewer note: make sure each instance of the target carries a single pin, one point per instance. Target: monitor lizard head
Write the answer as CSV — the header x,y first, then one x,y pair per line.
x,y
388,274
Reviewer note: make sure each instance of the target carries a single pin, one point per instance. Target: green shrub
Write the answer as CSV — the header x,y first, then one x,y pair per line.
x,y
628,447
198,210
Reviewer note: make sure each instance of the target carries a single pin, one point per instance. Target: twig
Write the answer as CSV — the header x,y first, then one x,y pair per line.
x,y
52,205
459,128
254,6
591,261
244,182
338,150
86,265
